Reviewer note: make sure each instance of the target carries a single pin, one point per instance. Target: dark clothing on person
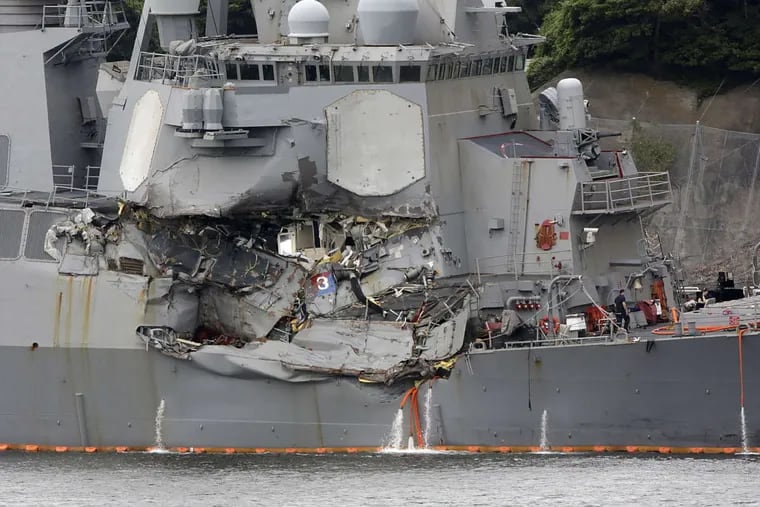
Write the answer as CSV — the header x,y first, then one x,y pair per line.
x,y
624,320
619,308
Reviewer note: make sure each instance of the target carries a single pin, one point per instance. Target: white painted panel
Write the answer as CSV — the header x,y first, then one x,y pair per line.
x,y
447,10
108,87
141,140
375,143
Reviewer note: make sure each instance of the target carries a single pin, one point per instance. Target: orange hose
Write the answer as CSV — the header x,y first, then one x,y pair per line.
x,y
668,330
406,396
415,426
416,411
411,421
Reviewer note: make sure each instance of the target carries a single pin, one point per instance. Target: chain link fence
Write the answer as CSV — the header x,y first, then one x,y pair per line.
x,y
714,220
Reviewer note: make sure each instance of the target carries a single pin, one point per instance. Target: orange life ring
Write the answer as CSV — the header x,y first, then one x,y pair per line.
x,y
544,325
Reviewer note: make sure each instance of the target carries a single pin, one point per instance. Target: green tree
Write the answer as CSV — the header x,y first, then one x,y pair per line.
x,y
651,153
123,49
665,38
531,17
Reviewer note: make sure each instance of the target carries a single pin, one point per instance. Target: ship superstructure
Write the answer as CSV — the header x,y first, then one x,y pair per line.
x,y
289,231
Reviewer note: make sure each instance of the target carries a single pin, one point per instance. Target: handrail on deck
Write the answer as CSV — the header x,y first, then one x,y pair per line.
x,y
92,176
88,14
518,262
549,341
63,175
176,69
74,197
624,194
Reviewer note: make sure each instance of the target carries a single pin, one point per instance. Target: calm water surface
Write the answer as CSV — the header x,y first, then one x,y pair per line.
x,y
377,479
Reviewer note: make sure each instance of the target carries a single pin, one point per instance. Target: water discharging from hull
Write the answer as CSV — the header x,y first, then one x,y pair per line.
x,y
395,440
543,445
396,437
745,438
159,443
428,415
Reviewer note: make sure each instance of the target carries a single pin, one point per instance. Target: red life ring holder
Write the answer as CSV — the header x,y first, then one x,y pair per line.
x,y
544,325
546,238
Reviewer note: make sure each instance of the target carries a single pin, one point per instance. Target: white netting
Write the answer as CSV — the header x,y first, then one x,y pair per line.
x,y
715,217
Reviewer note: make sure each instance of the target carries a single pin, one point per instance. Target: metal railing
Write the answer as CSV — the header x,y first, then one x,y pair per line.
x,y
91,177
68,177
63,176
60,196
94,14
175,69
73,197
646,190
609,332
563,340
521,263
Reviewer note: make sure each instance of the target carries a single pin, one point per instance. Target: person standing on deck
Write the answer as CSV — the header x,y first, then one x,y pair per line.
x,y
621,311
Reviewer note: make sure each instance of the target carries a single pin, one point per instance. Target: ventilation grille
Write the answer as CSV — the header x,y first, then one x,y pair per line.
x,y
131,266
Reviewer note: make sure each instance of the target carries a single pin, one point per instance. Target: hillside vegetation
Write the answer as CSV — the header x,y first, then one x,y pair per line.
x,y
703,42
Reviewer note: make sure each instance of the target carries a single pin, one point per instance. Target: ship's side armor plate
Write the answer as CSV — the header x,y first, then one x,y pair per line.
x,y
375,143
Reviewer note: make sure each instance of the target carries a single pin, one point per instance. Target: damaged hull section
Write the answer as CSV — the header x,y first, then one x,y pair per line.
x,y
369,309
291,236
323,349
330,378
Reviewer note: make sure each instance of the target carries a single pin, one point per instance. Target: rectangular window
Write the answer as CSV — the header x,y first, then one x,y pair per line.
x,y
232,71
477,67
503,64
310,73
455,72
363,72
441,72
267,72
511,65
449,69
432,71
250,72
464,69
382,74
487,66
519,62
39,223
324,72
317,73
11,228
344,73
409,73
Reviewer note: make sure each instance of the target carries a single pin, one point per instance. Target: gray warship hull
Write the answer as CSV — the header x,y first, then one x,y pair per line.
x,y
332,236
679,392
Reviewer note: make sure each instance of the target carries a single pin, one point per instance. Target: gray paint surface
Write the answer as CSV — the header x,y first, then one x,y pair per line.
x,y
683,393
264,304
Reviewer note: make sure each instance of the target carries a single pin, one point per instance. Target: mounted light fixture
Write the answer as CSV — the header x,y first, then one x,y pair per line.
x,y
590,234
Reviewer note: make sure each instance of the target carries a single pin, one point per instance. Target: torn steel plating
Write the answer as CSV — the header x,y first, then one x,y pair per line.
x,y
343,295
